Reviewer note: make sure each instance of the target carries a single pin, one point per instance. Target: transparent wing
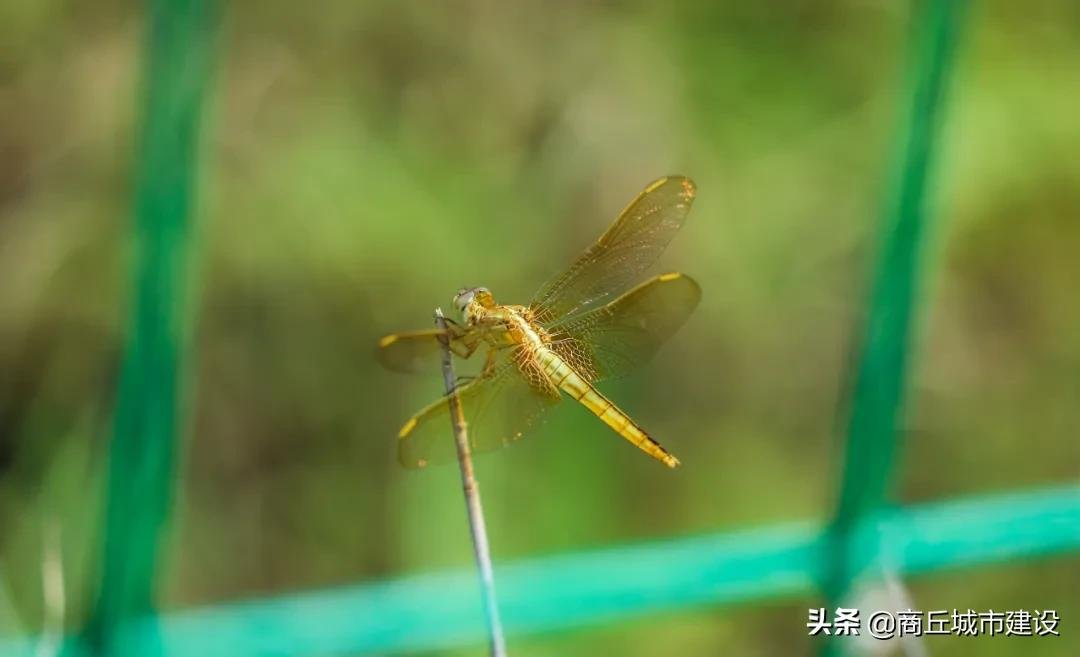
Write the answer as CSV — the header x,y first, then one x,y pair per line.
x,y
615,338
634,242
419,351
499,409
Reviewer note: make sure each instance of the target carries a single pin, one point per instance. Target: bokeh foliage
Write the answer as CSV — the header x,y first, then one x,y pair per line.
x,y
364,160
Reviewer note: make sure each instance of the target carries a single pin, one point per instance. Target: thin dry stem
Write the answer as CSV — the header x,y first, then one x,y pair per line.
x,y
472,498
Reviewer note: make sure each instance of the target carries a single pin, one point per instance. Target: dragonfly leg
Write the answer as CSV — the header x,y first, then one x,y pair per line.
x,y
463,381
462,349
489,364
463,343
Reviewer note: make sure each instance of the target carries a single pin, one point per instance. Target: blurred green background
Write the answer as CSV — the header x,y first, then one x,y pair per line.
x,y
362,161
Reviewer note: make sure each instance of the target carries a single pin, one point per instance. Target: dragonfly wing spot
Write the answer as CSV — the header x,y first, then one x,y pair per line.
x,y
408,428
387,340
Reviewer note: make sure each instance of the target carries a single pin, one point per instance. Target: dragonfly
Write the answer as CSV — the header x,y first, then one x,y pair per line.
x,y
586,325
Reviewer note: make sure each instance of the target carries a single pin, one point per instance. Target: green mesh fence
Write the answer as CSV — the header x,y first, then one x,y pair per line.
x,y
620,583
867,535
877,399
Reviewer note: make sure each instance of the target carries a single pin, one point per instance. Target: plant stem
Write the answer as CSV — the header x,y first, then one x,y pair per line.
x,y
472,498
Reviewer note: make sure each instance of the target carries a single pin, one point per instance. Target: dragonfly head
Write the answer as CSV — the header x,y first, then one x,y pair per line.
x,y
467,296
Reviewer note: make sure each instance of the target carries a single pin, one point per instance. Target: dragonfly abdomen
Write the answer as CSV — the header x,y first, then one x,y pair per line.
x,y
564,377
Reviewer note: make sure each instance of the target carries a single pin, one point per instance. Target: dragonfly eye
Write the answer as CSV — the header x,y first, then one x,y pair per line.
x,y
463,298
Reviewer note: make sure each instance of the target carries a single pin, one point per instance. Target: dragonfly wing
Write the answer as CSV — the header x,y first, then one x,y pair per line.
x,y
419,351
499,408
411,351
615,338
634,242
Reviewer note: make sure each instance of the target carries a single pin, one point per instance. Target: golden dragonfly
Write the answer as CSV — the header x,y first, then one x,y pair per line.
x,y
574,333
